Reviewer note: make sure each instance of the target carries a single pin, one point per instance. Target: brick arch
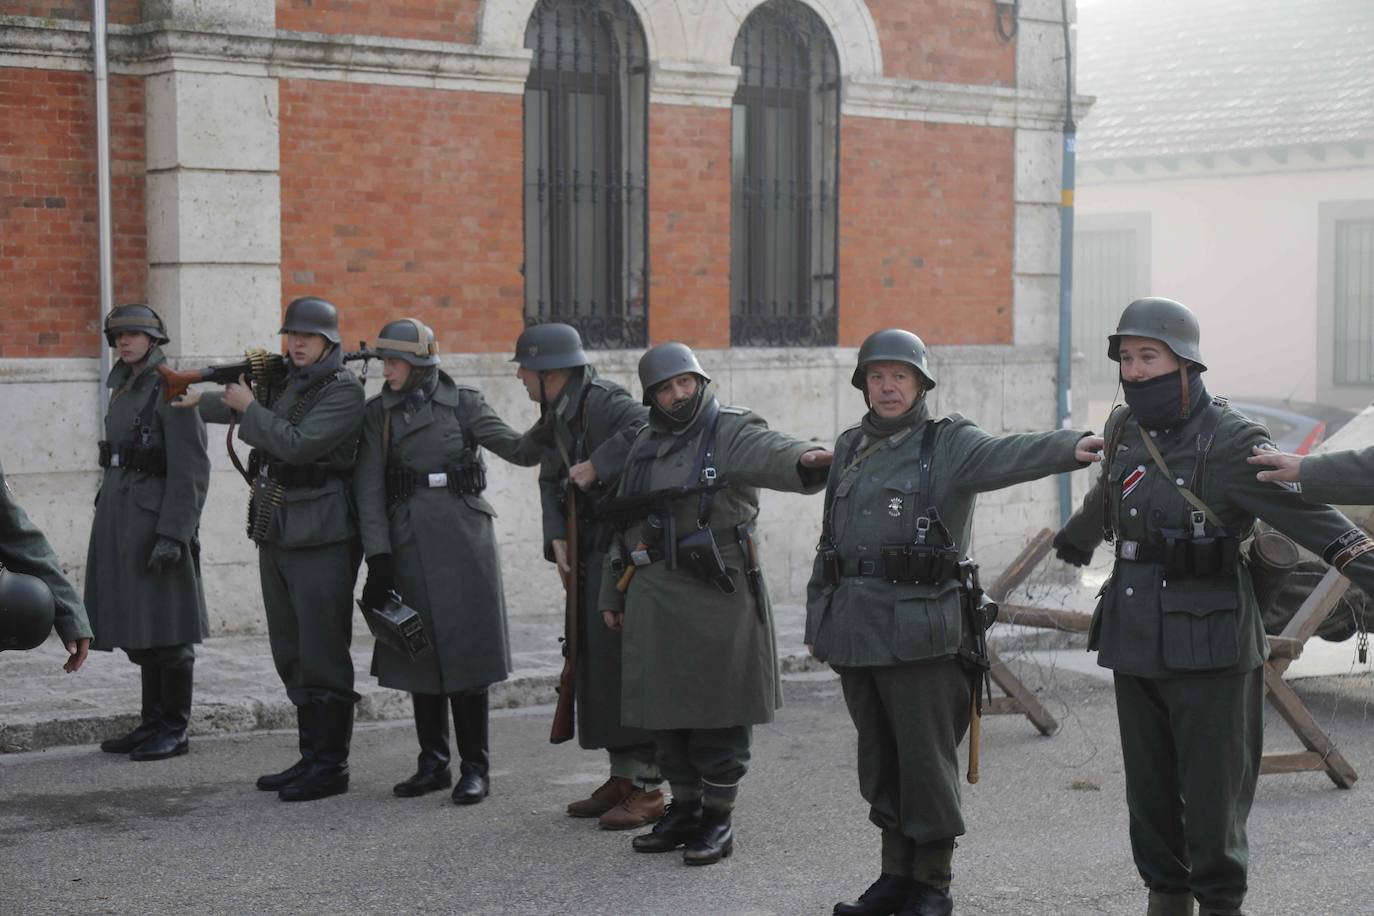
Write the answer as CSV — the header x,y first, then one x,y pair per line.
x,y
502,24
704,30
849,21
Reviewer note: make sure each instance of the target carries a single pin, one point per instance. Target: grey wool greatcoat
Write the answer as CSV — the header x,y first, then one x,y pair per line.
x,y
589,412
130,607
1340,478
693,657
443,545
23,548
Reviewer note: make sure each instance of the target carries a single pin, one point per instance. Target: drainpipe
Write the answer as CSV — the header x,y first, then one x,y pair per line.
x,y
100,66
1064,383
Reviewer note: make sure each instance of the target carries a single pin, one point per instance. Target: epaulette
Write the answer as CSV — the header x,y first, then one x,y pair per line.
x,y
470,389
737,411
604,384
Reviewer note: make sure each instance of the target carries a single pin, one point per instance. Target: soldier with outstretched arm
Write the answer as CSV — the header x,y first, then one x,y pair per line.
x,y
1178,621
1344,478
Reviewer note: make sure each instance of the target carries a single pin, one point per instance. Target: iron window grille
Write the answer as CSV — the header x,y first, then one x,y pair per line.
x,y
586,226
1353,289
784,180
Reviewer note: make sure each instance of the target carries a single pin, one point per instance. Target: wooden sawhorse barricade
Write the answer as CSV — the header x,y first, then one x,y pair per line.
x,y
1321,754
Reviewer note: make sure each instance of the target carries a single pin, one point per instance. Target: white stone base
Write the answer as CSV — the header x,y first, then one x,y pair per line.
x,y
49,407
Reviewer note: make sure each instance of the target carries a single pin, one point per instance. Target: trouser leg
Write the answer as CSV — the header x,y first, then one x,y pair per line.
x,y
1153,795
636,763
317,621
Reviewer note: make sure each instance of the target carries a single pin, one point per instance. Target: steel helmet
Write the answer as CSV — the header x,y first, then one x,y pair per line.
x,y
312,315
409,339
893,345
1164,320
665,361
135,317
26,610
549,346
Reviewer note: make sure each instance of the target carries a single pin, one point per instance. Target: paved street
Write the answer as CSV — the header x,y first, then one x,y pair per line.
x,y
85,832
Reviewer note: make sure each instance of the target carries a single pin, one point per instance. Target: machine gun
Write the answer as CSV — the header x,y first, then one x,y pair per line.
x,y
264,372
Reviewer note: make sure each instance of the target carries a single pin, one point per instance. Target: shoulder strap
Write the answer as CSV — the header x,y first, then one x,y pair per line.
x,y
706,465
1120,413
143,420
1205,437
1189,495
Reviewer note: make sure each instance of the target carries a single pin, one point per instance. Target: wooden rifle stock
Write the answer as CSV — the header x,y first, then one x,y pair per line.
x,y
564,725
174,384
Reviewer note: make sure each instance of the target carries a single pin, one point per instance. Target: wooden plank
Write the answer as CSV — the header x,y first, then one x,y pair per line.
x,y
1283,647
1021,695
1291,708
1303,762
1048,618
1313,611
1020,568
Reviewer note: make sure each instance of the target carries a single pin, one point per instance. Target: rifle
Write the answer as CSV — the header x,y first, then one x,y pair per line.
x,y
628,510
563,726
264,372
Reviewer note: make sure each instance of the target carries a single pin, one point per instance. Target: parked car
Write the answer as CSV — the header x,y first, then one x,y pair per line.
x,y
1295,426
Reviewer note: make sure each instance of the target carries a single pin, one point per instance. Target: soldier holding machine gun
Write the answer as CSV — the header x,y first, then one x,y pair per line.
x,y
683,581
584,411
895,607
303,424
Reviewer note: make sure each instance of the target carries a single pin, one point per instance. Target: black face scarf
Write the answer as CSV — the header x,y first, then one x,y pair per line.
x,y
681,415
1158,403
876,427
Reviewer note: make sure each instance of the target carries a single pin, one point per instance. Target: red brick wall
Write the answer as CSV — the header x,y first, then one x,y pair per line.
x,y
122,12
689,225
947,41
404,202
49,259
436,20
926,231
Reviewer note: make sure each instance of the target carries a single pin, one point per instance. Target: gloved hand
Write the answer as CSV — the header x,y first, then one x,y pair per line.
x,y
166,554
1070,553
381,580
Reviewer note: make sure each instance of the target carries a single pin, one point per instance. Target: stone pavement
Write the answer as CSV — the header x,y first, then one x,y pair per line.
x,y
237,688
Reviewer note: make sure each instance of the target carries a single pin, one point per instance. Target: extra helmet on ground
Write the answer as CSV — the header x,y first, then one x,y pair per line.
x,y
135,317
665,361
549,346
409,339
311,315
26,610
893,345
1162,319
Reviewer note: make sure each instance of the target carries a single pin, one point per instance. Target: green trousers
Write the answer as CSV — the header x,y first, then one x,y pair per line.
x,y
691,756
308,596
910,720
1192,749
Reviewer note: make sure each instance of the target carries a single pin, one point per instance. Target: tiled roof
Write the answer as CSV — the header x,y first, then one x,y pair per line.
x,y
1179,77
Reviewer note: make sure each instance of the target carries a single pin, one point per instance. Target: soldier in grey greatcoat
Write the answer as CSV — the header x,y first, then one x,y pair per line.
x,y
1178,621
699,657
25,551
303,521
1344,478
890,604
143,585
582,412
429,536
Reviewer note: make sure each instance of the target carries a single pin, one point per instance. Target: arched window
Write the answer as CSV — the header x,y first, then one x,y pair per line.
x,y
784,179
586,229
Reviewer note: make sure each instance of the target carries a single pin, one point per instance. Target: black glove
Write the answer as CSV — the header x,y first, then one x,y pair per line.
x,y
380,581
1071,553
166,554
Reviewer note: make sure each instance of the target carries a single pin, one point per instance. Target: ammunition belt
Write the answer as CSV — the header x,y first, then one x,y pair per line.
x,y
465,480
147,458
299,475
906,563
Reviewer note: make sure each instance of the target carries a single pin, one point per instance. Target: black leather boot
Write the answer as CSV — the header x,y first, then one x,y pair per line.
x,y
884,897
431,727
927,901
680,822
470,735
305,737
170,740
150,714
713,841
327,773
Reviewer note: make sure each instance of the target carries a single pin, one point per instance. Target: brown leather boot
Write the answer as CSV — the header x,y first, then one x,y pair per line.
x,y
639,809
607,795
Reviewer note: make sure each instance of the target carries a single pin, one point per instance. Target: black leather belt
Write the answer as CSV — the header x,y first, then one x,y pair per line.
x,y
1139,552
857,567
299,475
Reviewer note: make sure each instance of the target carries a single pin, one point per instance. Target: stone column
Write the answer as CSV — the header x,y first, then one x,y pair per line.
x,y
214,194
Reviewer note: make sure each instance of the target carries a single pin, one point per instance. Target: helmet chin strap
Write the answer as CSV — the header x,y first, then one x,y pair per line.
x,y
1187,398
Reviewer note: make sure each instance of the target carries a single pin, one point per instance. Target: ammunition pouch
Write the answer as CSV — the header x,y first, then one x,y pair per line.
x,y
397,626
906,563
146,458
460,480
1187,556
831,565
297,475
700,554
